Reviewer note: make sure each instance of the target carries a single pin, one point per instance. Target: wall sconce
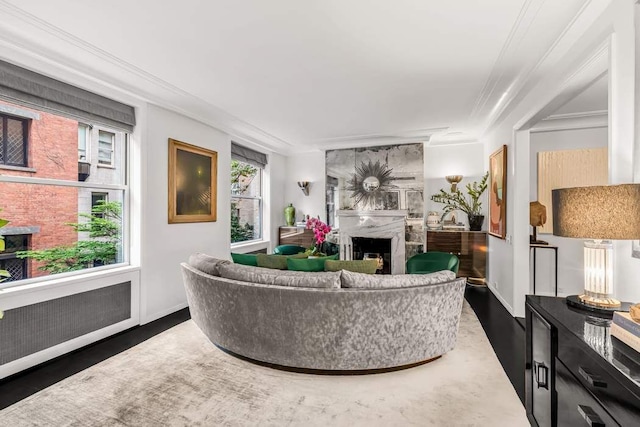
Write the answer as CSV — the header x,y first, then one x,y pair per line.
x,y
304,186
453,180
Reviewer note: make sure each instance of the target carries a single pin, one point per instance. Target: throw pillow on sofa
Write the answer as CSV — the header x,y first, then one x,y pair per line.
x,y
278,262
267,276
206,263
368,266
379,281
307,264
245,259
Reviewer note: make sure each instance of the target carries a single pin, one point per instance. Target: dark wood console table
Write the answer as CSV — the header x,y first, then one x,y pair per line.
x,y
300,236
469,246
576,373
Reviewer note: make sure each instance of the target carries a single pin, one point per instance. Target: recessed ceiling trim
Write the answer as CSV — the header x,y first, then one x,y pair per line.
x,y
525,81
405,137
496,74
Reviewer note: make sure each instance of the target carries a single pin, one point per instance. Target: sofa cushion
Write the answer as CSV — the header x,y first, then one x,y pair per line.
x,y
206,263
308,264
278,262
245,259
368,266
358,280
267,276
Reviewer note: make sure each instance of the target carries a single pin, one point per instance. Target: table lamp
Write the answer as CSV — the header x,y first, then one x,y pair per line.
x,y
600,214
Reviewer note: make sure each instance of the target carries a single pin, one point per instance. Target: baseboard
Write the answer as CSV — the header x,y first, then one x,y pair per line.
x,y
495,292
166,312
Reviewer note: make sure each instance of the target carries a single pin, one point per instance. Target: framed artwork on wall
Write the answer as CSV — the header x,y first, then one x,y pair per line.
x,y
192,183
498,193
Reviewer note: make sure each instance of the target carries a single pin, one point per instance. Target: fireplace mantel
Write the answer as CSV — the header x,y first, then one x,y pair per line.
x,y
379,224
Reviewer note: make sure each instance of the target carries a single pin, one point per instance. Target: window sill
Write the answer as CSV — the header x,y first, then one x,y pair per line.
x,y
64,279
249,246
106,166
18,168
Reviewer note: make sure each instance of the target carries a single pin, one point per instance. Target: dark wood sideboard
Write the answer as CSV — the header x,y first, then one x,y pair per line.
x,y
469,246
295,236
575,372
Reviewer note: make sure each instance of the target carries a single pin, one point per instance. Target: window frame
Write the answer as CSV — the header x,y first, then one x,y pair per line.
x,y
87,142
112,151
123,186
25,139
260,199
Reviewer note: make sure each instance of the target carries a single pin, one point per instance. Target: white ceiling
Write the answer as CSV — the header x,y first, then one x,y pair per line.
x,y
320,73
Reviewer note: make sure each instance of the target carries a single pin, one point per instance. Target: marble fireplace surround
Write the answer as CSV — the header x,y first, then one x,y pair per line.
x,y
376,224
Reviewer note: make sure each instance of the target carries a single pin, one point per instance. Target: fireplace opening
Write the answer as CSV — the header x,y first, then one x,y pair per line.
x,y
368,248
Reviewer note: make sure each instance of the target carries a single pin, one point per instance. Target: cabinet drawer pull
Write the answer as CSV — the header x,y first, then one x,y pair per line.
x,y
541,373
590,416
593,379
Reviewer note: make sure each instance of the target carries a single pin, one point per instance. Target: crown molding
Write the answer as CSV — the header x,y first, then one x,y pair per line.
x,y
573,121
67,58
372,140
565,116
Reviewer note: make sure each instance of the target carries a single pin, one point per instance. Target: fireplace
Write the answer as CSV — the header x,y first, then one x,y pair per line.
x,y
370,248
374,225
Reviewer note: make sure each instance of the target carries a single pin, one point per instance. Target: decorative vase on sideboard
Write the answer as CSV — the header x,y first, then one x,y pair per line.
x,y
290,215
475,222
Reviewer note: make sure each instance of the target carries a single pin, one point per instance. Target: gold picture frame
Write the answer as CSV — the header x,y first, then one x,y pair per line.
x,y
192,183
498,193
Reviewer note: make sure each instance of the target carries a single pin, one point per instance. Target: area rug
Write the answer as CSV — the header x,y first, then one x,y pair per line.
x,y
178,378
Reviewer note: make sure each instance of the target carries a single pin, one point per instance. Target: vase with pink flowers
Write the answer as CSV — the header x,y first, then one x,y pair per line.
x,y
320,231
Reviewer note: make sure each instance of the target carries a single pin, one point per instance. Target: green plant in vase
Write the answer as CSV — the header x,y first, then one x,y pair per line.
x,y
468,203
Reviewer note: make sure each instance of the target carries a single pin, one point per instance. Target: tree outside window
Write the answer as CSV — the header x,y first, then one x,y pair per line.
x,y
246,202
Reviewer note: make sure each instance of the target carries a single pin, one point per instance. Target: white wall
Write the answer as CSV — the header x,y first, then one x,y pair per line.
x,y
443,160
164,245
570,251
306,167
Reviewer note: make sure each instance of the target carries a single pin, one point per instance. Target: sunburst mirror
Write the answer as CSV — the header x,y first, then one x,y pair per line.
x,y
369,182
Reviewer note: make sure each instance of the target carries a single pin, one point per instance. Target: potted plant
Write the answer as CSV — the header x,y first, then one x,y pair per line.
x,y
468,203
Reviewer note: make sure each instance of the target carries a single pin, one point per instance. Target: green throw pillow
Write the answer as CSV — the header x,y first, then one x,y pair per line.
x,y
301,255
272,261
309,264
368,266
245,259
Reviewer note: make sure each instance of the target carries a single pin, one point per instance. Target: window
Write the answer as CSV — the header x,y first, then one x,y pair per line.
x,y
68,235
8,261
105,148
246,202
13,138
83,142
96,199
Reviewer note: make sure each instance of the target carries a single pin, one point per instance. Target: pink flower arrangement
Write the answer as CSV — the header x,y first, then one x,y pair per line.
x,y
320,230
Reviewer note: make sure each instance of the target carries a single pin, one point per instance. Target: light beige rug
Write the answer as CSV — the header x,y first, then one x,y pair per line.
x,y
179,378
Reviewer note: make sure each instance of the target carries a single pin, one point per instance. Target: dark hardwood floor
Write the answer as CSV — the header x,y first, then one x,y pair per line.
x,y
504,332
